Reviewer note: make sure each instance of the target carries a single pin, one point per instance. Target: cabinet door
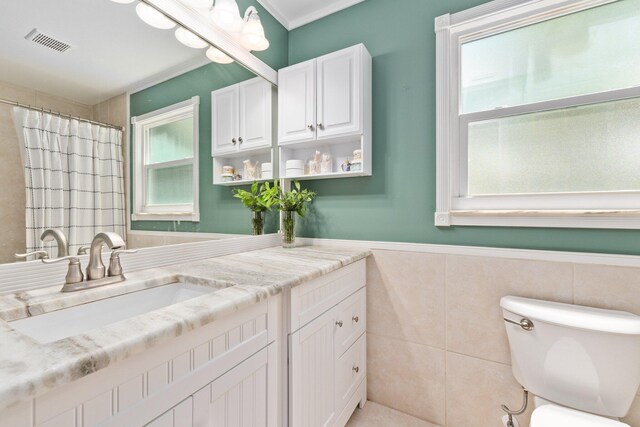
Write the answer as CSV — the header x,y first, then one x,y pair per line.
x,y
339,93
225,127
255,114
312,373
239,398
179,416
297,103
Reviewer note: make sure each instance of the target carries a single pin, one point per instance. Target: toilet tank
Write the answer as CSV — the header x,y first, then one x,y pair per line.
x,y
581,357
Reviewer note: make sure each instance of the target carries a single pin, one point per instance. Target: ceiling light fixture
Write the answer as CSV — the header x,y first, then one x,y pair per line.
x,y
154,18
252,35
189,39
226,15
216,55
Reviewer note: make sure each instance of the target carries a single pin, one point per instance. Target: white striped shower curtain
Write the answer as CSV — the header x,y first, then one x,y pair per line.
x,y
74,178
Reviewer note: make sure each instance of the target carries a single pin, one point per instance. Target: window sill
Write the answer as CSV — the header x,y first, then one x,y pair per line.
x,y
612,219
166,216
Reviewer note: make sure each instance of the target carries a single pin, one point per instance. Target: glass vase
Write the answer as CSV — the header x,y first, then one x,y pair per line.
x,y
257,223
288,229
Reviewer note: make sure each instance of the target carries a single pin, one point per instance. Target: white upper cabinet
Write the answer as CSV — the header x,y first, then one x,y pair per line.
x,y
255,114
339,93
297,103
225,120
241,117
326,97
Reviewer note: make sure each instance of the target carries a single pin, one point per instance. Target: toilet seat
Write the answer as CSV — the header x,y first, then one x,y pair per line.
x,y
558,416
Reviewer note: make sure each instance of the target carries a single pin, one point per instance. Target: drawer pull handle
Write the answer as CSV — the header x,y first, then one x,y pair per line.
x,y
356,369
355,319
339,323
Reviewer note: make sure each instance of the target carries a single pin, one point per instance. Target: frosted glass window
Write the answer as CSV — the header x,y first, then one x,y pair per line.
x,y
170,141
591,51
170,186
588,148
165,163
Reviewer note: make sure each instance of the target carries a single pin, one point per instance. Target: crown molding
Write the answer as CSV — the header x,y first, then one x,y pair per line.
x,y
291,24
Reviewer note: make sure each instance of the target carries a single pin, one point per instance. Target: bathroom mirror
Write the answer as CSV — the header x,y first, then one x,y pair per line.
x,y
73,75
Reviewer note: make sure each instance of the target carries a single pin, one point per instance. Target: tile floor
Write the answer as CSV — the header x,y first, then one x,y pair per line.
x,y
376,415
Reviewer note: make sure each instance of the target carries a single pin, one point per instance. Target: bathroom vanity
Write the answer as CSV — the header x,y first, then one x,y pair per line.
x,y
272,337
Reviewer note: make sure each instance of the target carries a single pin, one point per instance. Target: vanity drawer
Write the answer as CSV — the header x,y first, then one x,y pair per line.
x,y
351,320
311,299
351,368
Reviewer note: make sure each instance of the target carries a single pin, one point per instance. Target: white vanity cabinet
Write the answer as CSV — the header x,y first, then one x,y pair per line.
x,y
327,348
241,117
325,104
226,373
238,398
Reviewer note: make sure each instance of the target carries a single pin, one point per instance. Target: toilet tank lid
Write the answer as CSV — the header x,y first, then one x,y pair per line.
x,y
575,316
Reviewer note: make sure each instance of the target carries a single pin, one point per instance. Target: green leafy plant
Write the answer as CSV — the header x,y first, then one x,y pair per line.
x,y
295,200
261,197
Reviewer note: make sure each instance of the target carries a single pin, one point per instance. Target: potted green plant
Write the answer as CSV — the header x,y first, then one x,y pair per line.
x,y
290,203
258,200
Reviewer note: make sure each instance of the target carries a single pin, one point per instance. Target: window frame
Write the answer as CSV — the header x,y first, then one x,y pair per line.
x,y
141,125
614,209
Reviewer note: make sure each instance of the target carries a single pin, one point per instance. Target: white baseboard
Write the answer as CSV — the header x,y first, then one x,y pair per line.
x,y
529,254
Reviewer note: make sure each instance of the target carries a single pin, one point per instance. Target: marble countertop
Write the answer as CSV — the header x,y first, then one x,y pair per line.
x,y
29,368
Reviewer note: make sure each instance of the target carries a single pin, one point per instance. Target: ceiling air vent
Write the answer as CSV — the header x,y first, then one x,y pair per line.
x,y
47,41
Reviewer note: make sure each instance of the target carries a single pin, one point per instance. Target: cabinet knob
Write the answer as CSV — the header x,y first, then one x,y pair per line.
x,y
339,323
320,126
233,141
355,319
310,127
240,140
356,369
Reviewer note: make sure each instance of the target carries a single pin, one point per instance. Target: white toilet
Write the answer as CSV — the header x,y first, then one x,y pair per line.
x,y
581,363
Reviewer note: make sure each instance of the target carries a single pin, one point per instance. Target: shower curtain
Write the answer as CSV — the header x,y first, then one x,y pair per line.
x,y
74,178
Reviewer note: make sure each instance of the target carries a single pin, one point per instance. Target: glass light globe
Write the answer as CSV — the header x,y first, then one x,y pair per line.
x,y
252,35
189,39
216,55
226,15
198,4
154,18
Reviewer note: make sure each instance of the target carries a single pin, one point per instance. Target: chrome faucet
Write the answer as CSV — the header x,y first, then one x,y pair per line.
x,y
61,240
75,281
96,269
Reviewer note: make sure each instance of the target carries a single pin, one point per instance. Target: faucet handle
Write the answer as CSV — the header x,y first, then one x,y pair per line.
x,y
38,254
115,269
74,272
83,250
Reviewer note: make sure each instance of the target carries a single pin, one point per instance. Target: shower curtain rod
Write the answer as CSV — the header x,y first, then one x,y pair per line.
x,y
55,113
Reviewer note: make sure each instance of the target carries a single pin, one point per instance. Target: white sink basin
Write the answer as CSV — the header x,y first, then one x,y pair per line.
x,y
56,325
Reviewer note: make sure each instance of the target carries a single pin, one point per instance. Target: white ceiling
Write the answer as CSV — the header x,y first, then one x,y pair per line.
x,y
296,13
112,50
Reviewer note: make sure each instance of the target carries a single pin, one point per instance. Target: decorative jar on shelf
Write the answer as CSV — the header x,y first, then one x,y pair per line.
x,y
288,229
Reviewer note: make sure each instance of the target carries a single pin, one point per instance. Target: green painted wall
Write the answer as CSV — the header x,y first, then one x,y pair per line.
x,y
219,211
397,203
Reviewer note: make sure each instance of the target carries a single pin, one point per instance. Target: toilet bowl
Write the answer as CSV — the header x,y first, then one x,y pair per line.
x,y
557,416
582,364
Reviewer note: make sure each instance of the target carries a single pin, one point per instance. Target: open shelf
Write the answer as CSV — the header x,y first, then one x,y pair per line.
x,y
236,160
326,175
341,151
240,183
